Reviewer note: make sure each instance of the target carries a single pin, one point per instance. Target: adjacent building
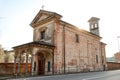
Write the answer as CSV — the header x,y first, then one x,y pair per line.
x,y
59,47
117,57
6,56
2,55
110,59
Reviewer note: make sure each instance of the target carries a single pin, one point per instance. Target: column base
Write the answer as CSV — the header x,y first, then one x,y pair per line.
x,y
26,74
15,75
32,74
18,74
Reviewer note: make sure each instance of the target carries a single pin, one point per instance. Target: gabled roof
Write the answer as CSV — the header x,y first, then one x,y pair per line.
x,y
47,14
78,29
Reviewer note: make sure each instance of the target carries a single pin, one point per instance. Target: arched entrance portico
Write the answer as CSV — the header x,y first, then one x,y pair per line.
x,y
41,58
43,62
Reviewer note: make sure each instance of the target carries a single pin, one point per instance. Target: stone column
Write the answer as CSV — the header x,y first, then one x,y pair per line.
x,y
15,64
19,64
27,63
32,64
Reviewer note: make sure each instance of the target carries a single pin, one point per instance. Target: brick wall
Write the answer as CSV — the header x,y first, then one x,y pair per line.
x,y
113,65
8,68
117,57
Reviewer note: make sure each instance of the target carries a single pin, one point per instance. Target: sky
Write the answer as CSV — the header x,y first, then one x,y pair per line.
x,y
16,15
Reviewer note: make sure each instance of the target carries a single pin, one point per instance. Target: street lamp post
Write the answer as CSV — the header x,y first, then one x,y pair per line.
x,y
118,43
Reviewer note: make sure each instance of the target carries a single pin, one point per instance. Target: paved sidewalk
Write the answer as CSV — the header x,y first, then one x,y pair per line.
x,y
104,75
5,77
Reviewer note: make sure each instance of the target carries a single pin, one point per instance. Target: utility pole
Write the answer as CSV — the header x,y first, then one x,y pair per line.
x,y
118,43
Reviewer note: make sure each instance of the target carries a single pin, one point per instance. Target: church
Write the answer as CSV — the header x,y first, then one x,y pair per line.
x,y
59,47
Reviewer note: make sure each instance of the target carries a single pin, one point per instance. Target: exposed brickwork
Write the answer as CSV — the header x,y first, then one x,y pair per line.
x,y
79,56
117,57
113,65
8,68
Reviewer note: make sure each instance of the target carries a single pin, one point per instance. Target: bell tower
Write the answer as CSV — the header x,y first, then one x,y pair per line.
x,y
94,26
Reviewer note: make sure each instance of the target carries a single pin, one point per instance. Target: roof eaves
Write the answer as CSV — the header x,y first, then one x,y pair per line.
x,y
76,28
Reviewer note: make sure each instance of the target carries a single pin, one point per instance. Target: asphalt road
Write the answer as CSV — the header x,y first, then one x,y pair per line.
x,y
105,75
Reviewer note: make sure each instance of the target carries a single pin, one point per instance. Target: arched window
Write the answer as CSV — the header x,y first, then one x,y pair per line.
x,y
92,27
96,26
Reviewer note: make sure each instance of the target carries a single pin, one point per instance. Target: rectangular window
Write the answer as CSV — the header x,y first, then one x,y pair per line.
x,y
43,35
102,59
97,59
77,38
48,66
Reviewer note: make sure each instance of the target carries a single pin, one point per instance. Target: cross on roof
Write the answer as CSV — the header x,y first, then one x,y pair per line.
x,y
42,7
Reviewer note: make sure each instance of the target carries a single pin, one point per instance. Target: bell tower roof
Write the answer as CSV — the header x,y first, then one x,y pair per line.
x,y
93,20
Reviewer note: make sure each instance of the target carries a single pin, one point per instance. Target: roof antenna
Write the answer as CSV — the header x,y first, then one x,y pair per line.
x,y
42,7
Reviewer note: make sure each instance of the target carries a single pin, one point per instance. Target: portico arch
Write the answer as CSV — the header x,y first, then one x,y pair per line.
x,y
43,62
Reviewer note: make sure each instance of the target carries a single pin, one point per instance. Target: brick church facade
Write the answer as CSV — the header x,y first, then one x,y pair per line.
x,y
59,47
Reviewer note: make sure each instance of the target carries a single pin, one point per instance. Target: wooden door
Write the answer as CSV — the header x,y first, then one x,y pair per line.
x,y
41,66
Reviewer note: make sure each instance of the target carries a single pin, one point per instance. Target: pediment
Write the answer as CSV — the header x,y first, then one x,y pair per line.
x,y
40,18
42,15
